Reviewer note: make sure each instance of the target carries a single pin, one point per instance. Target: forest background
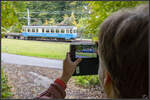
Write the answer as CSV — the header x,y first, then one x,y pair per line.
x,y
85,15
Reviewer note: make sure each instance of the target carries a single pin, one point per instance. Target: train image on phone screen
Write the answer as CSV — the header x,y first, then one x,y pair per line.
x,y
86,51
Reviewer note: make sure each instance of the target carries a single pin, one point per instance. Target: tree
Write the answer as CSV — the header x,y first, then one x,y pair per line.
x,y
81,25
62,7
73,19
9,17
15,13
100,10
52,21
69,21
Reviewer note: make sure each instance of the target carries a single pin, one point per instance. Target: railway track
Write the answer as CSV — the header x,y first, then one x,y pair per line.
x,y
18,36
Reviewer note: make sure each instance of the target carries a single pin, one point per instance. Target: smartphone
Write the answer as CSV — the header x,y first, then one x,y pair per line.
x,y
90,60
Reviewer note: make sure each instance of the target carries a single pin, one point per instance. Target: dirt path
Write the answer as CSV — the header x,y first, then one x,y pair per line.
x,y
28,81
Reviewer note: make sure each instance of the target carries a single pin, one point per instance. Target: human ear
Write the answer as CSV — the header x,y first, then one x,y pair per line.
x,y
108,85
107,79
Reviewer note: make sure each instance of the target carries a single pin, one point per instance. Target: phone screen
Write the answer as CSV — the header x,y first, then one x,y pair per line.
x,y
86,51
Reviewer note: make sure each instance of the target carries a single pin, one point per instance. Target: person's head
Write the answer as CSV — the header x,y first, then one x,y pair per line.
x,y
123,53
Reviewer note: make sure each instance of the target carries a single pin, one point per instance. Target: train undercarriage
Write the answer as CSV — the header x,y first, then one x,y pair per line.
x,y
46,39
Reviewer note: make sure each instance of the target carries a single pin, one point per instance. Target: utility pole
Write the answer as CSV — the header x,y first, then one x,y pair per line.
x,y
28,19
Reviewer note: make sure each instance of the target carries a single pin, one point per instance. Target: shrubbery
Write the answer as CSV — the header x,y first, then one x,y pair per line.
x,y
6,93
87,81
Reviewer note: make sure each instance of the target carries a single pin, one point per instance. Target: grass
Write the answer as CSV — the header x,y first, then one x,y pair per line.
x,y
53,50
87,81
6,93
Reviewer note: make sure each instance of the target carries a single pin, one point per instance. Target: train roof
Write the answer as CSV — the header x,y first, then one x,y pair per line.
x,y
50,27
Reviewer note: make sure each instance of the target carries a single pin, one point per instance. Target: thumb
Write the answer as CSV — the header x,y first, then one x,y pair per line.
x,y
67,56
77,61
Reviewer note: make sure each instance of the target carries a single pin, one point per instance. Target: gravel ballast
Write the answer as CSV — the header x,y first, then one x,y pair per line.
x,y
28,81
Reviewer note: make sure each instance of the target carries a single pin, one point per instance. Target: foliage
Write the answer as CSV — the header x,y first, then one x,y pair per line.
x,y
81,25
48,10
73,19
9,10
14,13
6,93
8,30
66,21
53,50
100,10
2,35
69,21
9,15
52,21
87,81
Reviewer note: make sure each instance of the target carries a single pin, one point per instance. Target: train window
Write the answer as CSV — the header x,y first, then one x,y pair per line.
x,y
74,31
28,30
47,30
33,30
52,30
37,30
43,30
62,31
57,30
67,31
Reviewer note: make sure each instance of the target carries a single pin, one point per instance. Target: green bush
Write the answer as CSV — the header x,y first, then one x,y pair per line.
x,y
2,35
87,81
6,93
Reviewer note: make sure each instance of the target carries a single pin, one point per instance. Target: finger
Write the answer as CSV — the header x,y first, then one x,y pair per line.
x,y
68,56
77,61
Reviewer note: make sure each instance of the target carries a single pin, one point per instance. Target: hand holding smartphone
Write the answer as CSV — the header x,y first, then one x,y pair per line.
x,y
88,53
